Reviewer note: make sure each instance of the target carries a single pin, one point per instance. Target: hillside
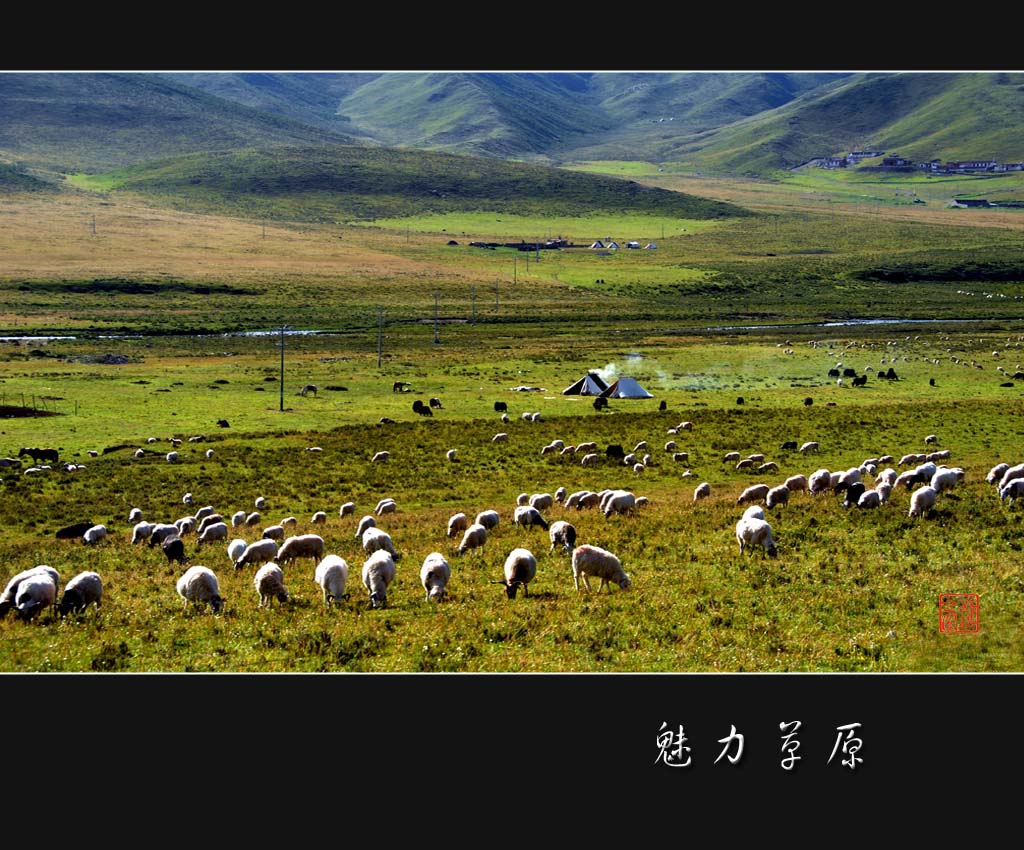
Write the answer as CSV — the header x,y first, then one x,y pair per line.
x,y
13,179
351,182
921,116
96,122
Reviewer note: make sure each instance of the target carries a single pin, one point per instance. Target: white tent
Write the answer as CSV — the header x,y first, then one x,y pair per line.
x,y
626,388
597,244
614,246
589,384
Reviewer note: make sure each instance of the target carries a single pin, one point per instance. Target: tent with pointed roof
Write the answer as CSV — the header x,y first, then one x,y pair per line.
x,y
589,384
626,388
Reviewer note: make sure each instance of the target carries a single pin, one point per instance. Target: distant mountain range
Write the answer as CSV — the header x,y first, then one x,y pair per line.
x,y
720,122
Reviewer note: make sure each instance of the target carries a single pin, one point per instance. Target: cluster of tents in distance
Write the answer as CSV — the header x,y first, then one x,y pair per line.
x,y
594,384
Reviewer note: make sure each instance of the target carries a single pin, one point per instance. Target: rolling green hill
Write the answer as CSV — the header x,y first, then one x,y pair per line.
x,y
921,116
13,179
351,182
95,122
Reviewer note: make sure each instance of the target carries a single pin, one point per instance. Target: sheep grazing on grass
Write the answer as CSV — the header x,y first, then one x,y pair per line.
x,y
450,454
141,531
209,453
319,518
140,453
592,459
187,499
288,522
135,515
7,599
374,540
381,457
931,438
94,534
386,506
946,478
560,495
562,534
83,590
811,446
520,570
213,533
820,482
996,472
680,457
588,500
203,513
174,548
523,499
618,502
257,552
347,508
754,493
199,586
500,438
260,503
1010,474
754,511
1013,490
922,501
488,519
207,520
434,575
35,593
777,496
869,499
528,517
731,457
255,518
236,548
160,532
269,584
273,532
332,576
670,446
365,523
173,457
796,483
541,501
702,491
596,562
457,523
755,532
474,538
378,573
301,546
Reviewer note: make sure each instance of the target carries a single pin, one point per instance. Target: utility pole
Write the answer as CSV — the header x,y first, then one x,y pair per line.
x,y
94,224
380,335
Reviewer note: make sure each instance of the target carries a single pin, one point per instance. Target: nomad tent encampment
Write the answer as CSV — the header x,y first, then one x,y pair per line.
x,y
589,384
626,388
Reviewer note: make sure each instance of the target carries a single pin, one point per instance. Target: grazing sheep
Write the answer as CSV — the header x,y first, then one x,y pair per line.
x,y
378,573
257,552
83,590
209,453
560,495
755,511
319,518
187,499
809,447
474,537
754,493
207,521
365,523
141,531
199,586
238,519
236,548
488,519
35,592
670,446
685,426
523,499
996,472
931,438
820,482
500,438
884,489
269,584
618,502
273,532
520,569
347,508
777,496
869,499
887,476
562,533
374,539
541,501
203,513
140,453
1010,474
217,531
253,519
527,517
946,478
680,457
589,500
185,525
434,575
592,459
587,447
921,501
1013,490
945,454
134,515
731,457
9,596
796,482
301,546
173,457
260,503
568,450
450,454
755,532
596,562
386,506
746,463
288,522
381,457
847,478
702,491
456,523
638,468
174,548
505,420
160,532
332,576
94,534
770,466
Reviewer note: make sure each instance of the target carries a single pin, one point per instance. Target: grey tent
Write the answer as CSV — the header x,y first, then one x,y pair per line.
x,y
589,384
626,388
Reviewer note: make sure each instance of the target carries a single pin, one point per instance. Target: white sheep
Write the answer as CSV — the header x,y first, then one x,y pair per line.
x,y
36,592
618,502
562,534
596,562
523,499
474,537
505,419
255,518
94,534
796,482
260,503
274,532
134,515
173,457
7,599
238,519
755,532
670,446
257,552
209,453
206,521
921,501
140,453
869,499
141,531
560,495
931,438
456,523
288,522
203,513
680,457
185,525
755,512
629,459
542,501
777,496
386,506
319,518
701,491
488,519
378,573
811,446
1010,474
347,508
638,468
754,493
199,585
212,533
500,438
236,548
996,472
945,478
301,546
1013,490
365,523
592,459
332,576
450,454
269,584
374,539
381,457
434,575
731,457
187,499
520,569
527,517
83,590
820,482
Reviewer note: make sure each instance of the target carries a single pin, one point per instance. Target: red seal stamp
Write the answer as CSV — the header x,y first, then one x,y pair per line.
x,y
958,613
